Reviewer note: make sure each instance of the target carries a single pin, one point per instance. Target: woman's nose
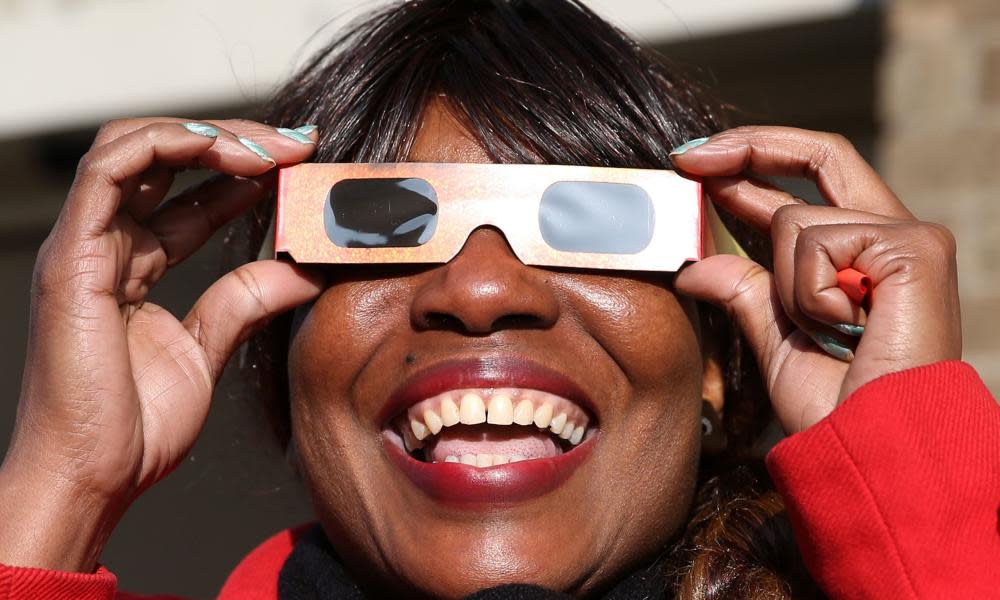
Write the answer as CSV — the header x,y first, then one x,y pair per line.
x,y
485,288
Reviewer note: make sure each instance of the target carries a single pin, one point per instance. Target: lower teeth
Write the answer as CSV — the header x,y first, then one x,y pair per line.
x,y
482,460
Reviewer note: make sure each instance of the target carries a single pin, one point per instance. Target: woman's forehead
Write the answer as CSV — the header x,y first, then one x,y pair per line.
x,y
443,138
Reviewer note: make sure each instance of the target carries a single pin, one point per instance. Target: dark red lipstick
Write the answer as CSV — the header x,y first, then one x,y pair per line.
x,y
459,484
462,484
493,372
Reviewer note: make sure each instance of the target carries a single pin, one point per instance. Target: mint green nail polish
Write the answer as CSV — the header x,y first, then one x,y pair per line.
x,y
202,129
295,135
256,149
688,145
306,129
848,329
834,348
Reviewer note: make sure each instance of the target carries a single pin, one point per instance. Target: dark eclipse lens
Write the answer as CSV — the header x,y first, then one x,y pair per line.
x,y
381,213
602,218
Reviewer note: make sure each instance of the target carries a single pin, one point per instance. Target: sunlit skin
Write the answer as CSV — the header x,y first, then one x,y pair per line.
x,y
628,341
116,389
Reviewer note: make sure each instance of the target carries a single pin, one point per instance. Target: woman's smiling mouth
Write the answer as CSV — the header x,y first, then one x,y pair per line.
x,y
492,426
488,430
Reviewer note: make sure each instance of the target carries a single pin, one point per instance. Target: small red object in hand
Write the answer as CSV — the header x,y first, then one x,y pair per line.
x,y
856,285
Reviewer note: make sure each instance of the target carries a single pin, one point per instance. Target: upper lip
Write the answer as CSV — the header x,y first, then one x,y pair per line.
x,y
483,372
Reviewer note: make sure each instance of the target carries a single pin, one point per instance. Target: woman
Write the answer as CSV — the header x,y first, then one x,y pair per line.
x,y
116,389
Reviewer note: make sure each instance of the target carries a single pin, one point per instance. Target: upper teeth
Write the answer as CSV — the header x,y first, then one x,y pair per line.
x,y
508,406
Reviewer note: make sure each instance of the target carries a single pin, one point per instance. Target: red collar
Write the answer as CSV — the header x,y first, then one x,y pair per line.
x,y
256,577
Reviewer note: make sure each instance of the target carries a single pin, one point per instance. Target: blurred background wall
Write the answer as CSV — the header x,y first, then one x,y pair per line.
x,y
915,84
940,144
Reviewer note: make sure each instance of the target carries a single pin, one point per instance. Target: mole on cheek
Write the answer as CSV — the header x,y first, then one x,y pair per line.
x,y
410,359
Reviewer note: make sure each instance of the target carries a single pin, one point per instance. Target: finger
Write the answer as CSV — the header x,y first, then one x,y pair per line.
x,y
229,146
745,290
108,172
787,225
101,182
152,188
283,146
817,295
261,144
243,301
186,222
146,265
843,177
265,142
751,200
914,317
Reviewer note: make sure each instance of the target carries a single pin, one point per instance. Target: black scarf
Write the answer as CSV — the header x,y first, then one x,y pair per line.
x,y
313,572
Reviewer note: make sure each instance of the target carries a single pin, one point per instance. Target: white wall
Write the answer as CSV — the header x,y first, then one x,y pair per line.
x,y
67,63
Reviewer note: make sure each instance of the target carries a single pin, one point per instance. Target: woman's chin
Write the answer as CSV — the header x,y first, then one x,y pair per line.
x,y
449,530
459,564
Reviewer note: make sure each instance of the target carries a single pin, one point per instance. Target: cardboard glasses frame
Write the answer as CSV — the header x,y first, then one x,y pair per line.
x,y
508,197
685,226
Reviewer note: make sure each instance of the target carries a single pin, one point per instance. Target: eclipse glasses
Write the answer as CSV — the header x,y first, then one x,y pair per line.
x,y
552,216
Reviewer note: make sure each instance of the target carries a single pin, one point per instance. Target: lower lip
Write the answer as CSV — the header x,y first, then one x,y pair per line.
x,y
455,483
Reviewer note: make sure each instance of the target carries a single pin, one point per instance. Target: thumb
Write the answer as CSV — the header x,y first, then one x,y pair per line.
x,y
242,302
745,290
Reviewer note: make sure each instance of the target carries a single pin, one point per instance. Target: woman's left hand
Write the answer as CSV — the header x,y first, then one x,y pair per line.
x,y
788,316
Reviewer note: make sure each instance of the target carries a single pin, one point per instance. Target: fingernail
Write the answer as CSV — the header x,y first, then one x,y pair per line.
x,y
834,348
256,149
295,135
687,146
848,329
202,129
306,129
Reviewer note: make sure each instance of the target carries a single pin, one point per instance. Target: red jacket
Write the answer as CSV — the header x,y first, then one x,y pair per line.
x,y
896,494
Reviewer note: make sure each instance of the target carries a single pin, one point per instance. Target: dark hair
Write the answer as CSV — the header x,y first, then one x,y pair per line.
x,y
544,81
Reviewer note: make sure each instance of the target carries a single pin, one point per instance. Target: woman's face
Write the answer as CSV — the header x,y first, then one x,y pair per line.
x,y
619,353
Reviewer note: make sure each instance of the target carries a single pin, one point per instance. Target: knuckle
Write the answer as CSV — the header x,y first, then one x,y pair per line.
x,y
244,126
249,123
784,214
940,237
837,142
827,148
68,269
744,291
253,289
92,166
155,131
86,164
747,131
48,277
108,131
809,238
113,125
787,217
41,275
808,301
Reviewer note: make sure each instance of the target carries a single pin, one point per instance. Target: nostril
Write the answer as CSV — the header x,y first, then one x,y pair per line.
x,y
444,322
517,321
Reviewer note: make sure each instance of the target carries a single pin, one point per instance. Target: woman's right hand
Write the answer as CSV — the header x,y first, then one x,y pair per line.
x,y
116,389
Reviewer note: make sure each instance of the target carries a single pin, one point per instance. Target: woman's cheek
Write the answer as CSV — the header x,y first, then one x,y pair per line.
x,y
343,329
644,327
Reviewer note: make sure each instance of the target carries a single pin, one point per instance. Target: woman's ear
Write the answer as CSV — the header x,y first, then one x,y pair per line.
x,y
713,383
713,386
713,433
713,357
